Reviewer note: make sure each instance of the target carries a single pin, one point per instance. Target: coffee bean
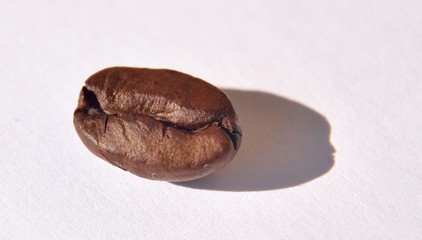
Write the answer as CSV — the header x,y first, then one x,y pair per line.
x,y
156,123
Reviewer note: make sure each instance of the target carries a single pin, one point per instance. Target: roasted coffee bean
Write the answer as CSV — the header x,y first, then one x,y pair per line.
x,y
156,123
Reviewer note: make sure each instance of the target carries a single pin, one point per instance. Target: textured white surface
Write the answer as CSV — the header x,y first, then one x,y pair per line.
x,y
353,68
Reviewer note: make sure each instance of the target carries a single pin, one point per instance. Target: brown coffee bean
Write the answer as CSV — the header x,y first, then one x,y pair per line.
x,y
156,123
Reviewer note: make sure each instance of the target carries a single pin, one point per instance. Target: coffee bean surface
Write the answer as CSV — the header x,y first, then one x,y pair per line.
x,y
157,123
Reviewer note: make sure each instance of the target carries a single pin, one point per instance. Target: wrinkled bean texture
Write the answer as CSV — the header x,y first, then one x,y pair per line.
x,y
157,123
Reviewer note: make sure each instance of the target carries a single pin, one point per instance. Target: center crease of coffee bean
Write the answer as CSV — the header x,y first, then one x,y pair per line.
x,y
94,108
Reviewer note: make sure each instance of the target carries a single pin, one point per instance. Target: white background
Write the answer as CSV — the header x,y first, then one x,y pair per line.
x,y
308,78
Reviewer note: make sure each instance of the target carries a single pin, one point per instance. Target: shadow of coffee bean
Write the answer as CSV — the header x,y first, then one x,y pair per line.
x,y
284,144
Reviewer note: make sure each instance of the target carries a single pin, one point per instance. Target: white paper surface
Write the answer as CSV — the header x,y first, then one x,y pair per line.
x,y
307,78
